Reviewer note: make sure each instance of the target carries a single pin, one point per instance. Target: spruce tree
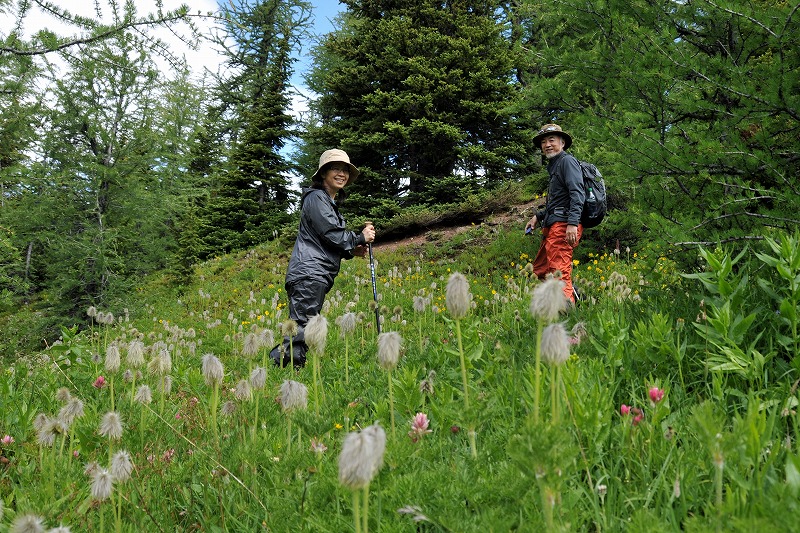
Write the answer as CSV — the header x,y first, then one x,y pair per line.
x,y
252,196
417,92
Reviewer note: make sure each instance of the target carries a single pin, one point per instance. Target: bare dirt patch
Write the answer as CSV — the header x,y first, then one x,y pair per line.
x,y
514,216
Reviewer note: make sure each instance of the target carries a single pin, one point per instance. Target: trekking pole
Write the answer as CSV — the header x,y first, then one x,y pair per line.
x,y
374,283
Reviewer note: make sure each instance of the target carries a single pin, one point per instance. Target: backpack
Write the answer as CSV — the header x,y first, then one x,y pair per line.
x,y
594,207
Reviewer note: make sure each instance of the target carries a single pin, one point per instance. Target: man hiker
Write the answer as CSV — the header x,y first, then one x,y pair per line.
x,y
321,244
560,219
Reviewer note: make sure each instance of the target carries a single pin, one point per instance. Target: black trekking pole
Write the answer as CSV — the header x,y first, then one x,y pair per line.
x,y
374,283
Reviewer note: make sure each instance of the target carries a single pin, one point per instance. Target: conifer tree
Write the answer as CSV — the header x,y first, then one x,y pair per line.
x,y
417,92
252,196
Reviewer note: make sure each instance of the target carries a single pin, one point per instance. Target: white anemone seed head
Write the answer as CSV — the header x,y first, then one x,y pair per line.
x,y
135,356
347,324
102,483
389,344
457,296
213,372
121,466
548,300
111,426
113,358
27,524
317,333
161,363
362,456
258,378
251,345
294,396
289,328
267,337
144,395
555,344
243,392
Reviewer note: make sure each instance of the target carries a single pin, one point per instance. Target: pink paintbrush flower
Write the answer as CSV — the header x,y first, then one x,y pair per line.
x,y
419,426
656,394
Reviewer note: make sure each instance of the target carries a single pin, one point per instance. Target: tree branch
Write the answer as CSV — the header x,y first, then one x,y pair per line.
x,y
92,38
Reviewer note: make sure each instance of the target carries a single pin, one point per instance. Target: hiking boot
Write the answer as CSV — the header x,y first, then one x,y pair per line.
x,y
296,356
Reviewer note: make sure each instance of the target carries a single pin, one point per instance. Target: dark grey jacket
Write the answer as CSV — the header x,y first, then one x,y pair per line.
x,y
565,194
322,240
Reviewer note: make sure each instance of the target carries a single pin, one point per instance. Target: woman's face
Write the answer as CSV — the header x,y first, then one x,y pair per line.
x,y
335,178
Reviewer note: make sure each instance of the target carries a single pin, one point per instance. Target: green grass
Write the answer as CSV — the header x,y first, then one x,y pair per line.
x,y
718,453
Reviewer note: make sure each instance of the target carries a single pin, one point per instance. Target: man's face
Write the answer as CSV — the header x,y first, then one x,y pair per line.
x,y
552,145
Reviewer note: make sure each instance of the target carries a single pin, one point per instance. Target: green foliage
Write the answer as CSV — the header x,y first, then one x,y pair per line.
x,y
701,454
783,291
418,95
686,105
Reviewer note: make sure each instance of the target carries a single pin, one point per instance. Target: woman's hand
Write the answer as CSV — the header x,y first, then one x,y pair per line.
x,y
369,233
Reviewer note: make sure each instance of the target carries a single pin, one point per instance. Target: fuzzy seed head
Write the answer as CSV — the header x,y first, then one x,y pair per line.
x,y
294,396
135,356
40,421
71,411
113,358
121,466
362,456
27,524
144,395
161,363
102,483
213,373
63,395
289,328
243,392
258,378
227,409
457,296
317,333
267,337
165,385
389,344
555,344
111,426
252,343
548,300
347,324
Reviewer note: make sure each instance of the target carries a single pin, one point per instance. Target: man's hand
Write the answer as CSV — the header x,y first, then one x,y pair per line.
x,y
531,225
572,235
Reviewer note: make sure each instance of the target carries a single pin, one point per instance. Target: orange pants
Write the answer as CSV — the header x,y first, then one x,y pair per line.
x,y
556,254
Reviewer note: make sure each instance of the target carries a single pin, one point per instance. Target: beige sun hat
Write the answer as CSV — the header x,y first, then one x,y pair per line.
x,y
335,156
552,129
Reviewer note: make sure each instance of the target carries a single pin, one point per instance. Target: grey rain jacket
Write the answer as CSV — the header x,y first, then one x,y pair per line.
x,y
565,194
322,240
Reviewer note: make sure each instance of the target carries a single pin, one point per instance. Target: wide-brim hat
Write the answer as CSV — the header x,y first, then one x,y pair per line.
x,y
552,129
335,156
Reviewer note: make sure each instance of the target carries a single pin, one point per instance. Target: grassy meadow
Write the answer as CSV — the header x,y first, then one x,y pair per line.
x,y
666,401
